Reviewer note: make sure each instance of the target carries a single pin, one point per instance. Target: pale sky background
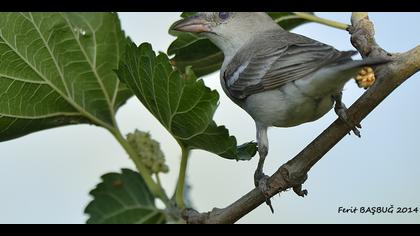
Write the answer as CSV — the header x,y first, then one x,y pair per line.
x,y
45,177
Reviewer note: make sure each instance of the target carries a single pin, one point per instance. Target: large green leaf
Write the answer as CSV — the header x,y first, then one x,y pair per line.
x,y
203,56
183,104
57,69
123,198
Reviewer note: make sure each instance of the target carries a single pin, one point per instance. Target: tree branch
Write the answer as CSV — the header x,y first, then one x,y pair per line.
x,y
294,172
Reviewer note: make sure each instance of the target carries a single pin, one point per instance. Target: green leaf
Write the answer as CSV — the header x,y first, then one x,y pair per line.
x,y
57,69
195,51
182,104
203,56
123,198
245,149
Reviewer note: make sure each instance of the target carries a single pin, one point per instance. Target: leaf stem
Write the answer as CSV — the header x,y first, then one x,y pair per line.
x,y
156,189
320,20
180,187
158,180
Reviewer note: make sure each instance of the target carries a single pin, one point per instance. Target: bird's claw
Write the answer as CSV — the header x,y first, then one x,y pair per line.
x,y
260,181
365,77
356,131
341,111
299,191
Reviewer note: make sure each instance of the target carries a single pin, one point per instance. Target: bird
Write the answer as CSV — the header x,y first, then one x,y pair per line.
x,y
280,78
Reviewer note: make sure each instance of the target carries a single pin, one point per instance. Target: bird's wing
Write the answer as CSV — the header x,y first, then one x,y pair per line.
x,y
272,62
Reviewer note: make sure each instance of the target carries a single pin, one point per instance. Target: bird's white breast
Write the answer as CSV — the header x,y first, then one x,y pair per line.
x,y
287,106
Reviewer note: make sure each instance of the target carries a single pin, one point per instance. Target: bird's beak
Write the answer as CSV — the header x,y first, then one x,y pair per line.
x,y
193,24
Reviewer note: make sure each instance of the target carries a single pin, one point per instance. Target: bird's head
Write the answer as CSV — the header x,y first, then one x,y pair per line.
x,y
228,30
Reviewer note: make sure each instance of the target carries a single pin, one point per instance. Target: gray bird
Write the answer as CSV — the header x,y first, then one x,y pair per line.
x,y
279,78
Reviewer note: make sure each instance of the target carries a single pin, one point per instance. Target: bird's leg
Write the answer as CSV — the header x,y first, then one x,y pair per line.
x,y
260,179
262,139
341,111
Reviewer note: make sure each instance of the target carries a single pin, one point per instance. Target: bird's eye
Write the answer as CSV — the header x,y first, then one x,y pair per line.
x,y
223,15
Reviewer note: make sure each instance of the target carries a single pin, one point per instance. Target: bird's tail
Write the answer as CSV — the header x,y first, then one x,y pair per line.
x,y
353,66
333,78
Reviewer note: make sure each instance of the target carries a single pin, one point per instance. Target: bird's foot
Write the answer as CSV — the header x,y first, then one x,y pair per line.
x,y
260,181
365,77
341,111
299,191
296,183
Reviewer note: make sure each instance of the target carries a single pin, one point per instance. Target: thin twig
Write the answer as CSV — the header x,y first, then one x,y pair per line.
x,y
321,20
